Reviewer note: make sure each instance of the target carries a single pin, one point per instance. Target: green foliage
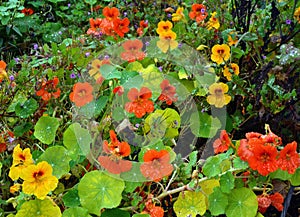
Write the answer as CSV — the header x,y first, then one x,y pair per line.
x,y
45,129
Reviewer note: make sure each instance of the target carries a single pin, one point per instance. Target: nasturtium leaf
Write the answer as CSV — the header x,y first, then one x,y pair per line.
x,y
134,174
118,114
207,187
190,203
94,108
141,215
45,129
242,202
22,128
34,208
217,202
110,72
98,190
75,212
204,125
114,213
24,110
212,167
162,123
280,174
240,164
227,182
295,180
192,163
131,186
77,140
57,157
71,198
19,98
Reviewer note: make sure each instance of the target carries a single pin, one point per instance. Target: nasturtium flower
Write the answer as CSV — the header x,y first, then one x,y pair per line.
x,y
3,73
218,96
21,160
111,13
49,90
220,53
232,39
277,201
168,92
82,94
15,188
264,159
96,28
121,26
232,69
223,143
213,22
157,211
140,102
27,11
289,159
164,27
178,15
264,201
38,180
115,147
297,14
95,70
156,165
167,41
133,50
118,90
198,12
143,25
114,165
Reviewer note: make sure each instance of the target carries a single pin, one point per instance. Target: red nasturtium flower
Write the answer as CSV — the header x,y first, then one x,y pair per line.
x,y
133,50
121,26
27,11
111,13
140,102
95,28
118,90
289,158
143,25
223,143
198,12
156,165
3,73
168,92
49,89
82,94
116,150
265,200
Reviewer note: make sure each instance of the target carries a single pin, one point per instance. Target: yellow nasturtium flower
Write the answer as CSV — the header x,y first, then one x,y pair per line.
x,y
3,73
213,22
167,41
234,67
179,15
163,27
15,188
232,39
220,53
218,96
21,160
297,14
38,180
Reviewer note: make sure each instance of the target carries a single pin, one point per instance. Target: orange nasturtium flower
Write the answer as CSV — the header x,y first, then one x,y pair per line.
x,y
121,26
213,22
140,102
164,27
218,96
49,90
116,150
198,12
143,25
220,53
179,15
82,94
297,14
111,13
96,28
27,11
232,39
289,159
167,41
232,67
223,143
38,180
133,50
264,201
3,73
156,165
95,70
21,160
168,92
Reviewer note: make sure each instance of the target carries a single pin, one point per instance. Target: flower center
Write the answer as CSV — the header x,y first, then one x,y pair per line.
x,y
218,92
265,158
38,174
82,93
22,157
221,51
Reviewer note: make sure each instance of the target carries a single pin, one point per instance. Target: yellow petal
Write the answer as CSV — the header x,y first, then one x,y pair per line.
x,y
202,47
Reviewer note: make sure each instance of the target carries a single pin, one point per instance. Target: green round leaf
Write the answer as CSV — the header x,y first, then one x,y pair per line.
x,y
114,213
227,182
71,198
217,202
204,125
295,180
212,167
75,212
24,110
57,157
34,208
240,164
242,202
98,190
45,129
77,141
190,204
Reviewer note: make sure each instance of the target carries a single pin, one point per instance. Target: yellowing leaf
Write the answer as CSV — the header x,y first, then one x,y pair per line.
x,y
208,186
190,204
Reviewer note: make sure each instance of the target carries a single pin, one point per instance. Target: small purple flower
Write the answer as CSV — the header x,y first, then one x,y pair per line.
x,y
72,76
59,32
78,75
202,10
10,139
106,57
89,13
147,43
69,5
288,22
169,15
179,45
35,46
137,125
125,14
160,68
17,59
11,78
87,54
264,57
